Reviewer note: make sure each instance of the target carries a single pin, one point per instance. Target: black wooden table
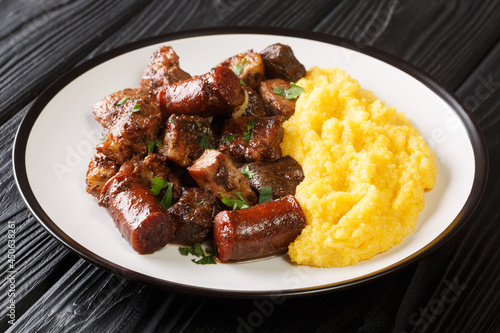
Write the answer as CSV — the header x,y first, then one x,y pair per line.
x,y
455,288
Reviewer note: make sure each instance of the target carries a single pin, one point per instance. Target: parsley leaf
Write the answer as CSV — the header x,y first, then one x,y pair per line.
x,y
292,93
247,172
237,69
205,142
137,107
229,138
235,203
152,144
196,250
122,101
266,194
158,185
247,136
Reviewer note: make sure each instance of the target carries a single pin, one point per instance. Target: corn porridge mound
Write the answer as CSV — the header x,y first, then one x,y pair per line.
x,y
366,169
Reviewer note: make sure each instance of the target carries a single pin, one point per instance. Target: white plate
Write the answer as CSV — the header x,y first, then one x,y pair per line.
x,y
57,138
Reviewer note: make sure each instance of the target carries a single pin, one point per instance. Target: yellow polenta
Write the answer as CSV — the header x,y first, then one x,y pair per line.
x,y
366,169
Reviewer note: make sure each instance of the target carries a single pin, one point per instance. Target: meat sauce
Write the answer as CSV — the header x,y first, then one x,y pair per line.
x,y
181,152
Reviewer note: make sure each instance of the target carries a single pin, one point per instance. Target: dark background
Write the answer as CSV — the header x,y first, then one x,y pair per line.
x,y
454,289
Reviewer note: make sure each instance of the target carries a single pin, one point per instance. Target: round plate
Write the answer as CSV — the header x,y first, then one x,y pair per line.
x,y
58,136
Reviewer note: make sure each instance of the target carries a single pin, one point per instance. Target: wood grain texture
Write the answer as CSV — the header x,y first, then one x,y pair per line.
x,y
453,289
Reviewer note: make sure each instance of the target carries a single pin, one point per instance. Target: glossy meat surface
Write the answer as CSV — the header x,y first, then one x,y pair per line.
x,y
275,104
100,169
216,92
249,139
128,126
142,221
282,175
248,65
258,231
162,69
194,214
280,62
185,138
215,172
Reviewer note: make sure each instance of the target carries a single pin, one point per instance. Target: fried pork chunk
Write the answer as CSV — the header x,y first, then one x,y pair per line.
x,y
274,103
282,175
249,139
280,62
153,166
194,214
131,119
215,172
100,169
162,69
248,66
185,138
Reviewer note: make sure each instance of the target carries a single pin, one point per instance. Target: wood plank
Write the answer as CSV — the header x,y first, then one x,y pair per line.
x,y
146,308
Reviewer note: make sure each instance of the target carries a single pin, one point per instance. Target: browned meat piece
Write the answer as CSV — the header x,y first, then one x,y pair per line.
x,y
282,175
253,106
280,62
136,212
99,171
162,69
249,139
135,122
215,172
274,103
259,231
194,214
109,109
185,139
153,166
248,66
216,92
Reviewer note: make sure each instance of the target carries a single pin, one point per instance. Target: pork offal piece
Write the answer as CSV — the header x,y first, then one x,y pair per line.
x,y
282,175
249,139
280,62
162,69
274,103
194,214
141,219
100,169
132,123
111,107
215,172
248,66
185,138
259,231
216,92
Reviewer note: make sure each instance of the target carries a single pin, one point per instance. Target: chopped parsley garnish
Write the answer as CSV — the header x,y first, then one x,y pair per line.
x,y
173,121
205,142
197,250
137,107
247,172
237,69
292,93
247,136
229,138
152,144
198,124
158,185
235,203
266,194
102,139
122,101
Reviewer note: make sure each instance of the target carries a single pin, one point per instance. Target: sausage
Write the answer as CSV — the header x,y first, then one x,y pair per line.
x,y
259,231
136,212
216,92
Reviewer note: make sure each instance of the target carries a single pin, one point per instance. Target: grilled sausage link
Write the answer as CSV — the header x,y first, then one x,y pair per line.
x,y
138,215
216,92
259,231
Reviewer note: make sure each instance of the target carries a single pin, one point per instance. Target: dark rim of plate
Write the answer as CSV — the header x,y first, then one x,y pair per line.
x,y
475,136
